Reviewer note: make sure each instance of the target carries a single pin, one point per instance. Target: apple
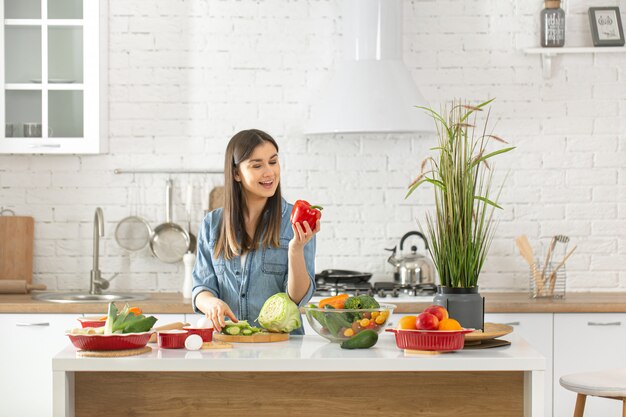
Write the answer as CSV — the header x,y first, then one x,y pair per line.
x,y
427,321
438,311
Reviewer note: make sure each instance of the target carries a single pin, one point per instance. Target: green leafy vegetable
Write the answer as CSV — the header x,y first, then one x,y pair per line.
x,y
125,321
280,314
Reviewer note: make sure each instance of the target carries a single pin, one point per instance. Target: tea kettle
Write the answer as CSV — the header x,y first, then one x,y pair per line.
x,y
413,268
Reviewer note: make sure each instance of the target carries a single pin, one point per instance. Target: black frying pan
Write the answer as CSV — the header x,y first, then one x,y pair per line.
x,y
341,276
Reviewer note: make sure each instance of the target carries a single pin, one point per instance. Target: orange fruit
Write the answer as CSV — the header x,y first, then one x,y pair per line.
x,y
449,324
407,323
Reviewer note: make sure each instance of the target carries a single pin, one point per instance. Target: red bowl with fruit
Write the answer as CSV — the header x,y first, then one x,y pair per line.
x,y
116,341
341,324
93,321
435,340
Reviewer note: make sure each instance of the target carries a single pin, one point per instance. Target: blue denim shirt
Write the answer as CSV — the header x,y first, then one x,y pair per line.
x,y
265,273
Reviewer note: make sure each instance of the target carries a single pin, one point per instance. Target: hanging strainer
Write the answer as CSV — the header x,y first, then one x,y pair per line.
x,y
133,233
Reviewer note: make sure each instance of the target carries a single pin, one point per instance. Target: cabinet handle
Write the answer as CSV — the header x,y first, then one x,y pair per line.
x,y
512,323
43,323
611,323
46,145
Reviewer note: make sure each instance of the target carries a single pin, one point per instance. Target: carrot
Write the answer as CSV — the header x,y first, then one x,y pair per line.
x,y
135,310
337,301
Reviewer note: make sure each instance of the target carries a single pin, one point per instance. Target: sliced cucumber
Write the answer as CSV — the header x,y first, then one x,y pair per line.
x,y
233,330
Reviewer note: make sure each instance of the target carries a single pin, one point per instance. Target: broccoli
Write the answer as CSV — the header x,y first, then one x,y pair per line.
x,y
368,302
360,302
353,303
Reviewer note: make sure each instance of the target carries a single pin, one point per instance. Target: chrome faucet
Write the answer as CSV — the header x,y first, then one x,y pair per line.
x,y
97,283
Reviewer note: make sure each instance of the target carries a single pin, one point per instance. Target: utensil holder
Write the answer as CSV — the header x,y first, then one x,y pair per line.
x,y
549,285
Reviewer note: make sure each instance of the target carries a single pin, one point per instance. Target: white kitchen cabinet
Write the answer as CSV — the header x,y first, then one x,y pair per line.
x,y
537,330
28,345
53,76
585,343
29,342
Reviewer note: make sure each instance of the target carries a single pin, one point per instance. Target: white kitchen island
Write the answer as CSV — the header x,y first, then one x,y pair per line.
x,y
302,377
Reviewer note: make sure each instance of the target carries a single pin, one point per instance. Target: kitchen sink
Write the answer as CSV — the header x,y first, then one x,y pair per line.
x,y
58,297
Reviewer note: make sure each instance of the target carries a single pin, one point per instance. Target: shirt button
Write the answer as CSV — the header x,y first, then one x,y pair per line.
x,y
243,295
237,273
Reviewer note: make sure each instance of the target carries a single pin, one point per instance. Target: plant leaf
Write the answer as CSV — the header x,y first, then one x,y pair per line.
x,y
413,187
480,106
489,155
486,200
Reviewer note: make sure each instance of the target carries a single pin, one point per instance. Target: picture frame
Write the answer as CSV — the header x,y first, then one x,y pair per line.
x,y
606,26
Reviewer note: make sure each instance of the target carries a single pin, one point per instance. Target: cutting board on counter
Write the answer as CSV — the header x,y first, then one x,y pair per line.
x,y
216,198
16,248
263,337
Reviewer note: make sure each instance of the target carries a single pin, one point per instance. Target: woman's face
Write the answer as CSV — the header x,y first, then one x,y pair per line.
x,y
260,174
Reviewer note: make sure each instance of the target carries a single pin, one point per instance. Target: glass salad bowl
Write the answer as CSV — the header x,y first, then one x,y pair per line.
x,y
341,324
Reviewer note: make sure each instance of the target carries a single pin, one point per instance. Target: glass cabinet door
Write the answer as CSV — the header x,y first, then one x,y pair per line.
x,y
22,9
65,114
23,114
65,9
51,54
22,54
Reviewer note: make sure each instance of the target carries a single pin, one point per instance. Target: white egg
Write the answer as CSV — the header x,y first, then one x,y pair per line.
x,y
193,342
204,323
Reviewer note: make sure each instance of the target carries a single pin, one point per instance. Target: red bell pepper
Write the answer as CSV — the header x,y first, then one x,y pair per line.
x,y
303,211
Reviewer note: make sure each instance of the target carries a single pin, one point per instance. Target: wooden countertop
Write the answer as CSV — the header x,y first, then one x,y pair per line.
x,y
173,303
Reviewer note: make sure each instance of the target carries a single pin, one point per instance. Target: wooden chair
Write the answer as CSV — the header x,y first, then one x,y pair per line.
x,y
606,384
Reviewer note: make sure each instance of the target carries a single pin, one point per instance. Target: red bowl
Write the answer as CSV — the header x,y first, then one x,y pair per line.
x,y
439,340
110,341
205,333
91,321
172,339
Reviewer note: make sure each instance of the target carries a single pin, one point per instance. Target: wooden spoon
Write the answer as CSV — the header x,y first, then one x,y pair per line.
x,y
553,274
527,253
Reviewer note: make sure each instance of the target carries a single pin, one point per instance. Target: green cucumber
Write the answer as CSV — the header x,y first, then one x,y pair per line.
x,y
362,340
246,332
233,330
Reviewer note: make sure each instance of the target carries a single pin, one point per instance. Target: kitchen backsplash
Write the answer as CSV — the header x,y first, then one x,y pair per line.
x,y
186,75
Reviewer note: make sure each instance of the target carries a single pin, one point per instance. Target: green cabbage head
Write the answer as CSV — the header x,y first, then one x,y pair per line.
x,y
279,314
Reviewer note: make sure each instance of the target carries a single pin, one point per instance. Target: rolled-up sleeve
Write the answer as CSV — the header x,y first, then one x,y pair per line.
x,y
309,260
204,277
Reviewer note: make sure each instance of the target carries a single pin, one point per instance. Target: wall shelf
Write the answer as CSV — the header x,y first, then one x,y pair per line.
x,y
548,53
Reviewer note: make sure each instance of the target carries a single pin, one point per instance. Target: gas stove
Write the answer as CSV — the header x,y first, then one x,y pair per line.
x,y
378,290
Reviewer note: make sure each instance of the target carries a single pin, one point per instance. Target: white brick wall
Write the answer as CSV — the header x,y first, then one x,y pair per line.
x,y
186,75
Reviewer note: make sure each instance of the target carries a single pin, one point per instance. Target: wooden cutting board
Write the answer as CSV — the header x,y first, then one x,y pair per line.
x,y
262,337
16,247
492,330
216,198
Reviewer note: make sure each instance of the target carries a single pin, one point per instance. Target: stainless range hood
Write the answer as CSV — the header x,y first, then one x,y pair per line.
x,y
370,89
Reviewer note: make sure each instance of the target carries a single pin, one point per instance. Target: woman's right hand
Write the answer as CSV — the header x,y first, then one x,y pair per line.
x,y
214,309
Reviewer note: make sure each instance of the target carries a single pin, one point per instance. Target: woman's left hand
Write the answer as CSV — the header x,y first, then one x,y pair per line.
x,y
302,234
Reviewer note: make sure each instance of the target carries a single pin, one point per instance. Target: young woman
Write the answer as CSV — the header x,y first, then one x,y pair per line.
x,y
249,250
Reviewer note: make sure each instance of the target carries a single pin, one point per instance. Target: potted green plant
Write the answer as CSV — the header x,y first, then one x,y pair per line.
x,y
462,227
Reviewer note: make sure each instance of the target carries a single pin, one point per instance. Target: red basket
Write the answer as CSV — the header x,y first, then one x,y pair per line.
x,y
439,340
111,341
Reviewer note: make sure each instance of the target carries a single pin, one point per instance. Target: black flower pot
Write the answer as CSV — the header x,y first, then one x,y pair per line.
x,y
465,305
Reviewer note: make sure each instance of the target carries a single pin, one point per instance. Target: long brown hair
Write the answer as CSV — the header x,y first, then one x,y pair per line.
x,y
233,239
